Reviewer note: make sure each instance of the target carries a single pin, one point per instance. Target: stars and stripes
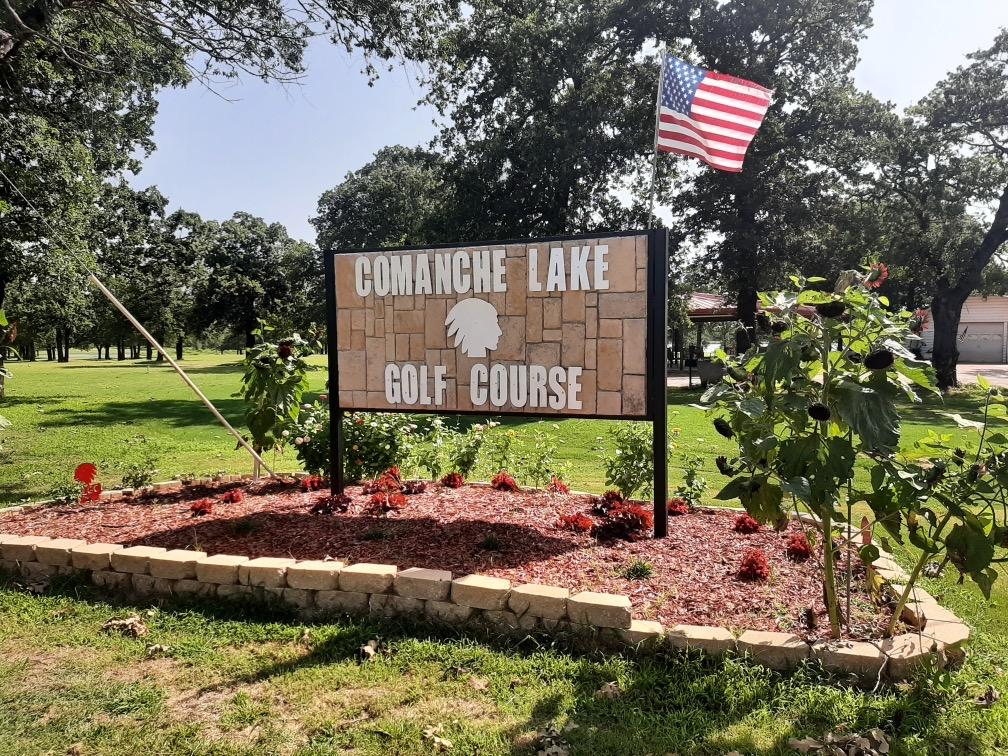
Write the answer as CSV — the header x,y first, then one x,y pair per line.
x,y
708,115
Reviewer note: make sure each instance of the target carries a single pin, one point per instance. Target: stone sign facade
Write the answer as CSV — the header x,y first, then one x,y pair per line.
x,y
538,327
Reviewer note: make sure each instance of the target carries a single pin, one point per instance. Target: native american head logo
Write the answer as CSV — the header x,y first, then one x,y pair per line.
x,y
473,323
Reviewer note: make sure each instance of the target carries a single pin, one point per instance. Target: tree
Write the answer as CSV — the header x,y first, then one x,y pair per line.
x,y
246,279
396,199
549,112
265,38
770,219
962,126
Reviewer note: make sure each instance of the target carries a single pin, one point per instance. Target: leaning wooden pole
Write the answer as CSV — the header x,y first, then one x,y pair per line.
x,y
182,374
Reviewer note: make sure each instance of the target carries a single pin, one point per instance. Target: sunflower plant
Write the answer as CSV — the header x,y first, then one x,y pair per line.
x,y
816,391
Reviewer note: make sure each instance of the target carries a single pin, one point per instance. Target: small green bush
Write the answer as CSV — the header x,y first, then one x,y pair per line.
x,y
631,468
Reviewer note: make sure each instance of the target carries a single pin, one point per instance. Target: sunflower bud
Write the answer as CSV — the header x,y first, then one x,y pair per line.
x,y
722,427
819,412
833,309
763,321
880,359
723,466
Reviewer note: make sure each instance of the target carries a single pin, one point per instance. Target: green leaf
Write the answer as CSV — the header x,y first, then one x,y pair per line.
x,y
870,411
733,489
752,406
869,553
3,318
971,550
798,487
981,382
962,422
985,580
765,502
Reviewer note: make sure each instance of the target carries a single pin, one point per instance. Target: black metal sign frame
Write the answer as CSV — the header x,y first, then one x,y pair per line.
x,y
655,356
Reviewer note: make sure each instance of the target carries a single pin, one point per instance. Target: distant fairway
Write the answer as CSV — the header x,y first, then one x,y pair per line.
x,y
91,411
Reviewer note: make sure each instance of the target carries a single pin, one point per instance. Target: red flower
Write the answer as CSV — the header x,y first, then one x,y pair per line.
x,y
877,275
678,506
313,483
413,487
557,486
389,481
86,473
798,547
624,520
91,493
383,503
602,505
331,504
232,497
744,523
577,522
201,507
755,566
504,482
453,480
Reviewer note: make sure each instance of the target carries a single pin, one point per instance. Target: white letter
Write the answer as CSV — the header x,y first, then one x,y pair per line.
x,y
481,270
579,268
440,384
601,266
556,377
381,276
460,279
533,270
442,273
555,276
518,385
498,271
498,385
410,388
362,266
537,386
392,394
402,274
477,376
573,388
423,282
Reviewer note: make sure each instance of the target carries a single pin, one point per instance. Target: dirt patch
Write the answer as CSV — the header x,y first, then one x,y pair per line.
x,y
692,577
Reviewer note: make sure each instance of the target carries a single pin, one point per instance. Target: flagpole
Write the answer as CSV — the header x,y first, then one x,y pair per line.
x,y
654,156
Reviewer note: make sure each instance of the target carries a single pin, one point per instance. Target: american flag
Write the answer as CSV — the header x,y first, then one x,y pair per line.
x,y
708,115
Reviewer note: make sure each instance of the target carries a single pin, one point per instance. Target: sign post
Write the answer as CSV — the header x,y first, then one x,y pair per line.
x,y
571,326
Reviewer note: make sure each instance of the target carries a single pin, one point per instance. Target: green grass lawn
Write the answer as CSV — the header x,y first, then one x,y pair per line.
x,y
248,685
230,684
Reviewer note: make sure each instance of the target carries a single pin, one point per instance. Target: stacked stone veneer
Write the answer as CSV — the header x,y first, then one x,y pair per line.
x,y
603,332
319,589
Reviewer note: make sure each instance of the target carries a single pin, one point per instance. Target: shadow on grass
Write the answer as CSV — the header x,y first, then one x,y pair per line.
x,y
175,412
668,701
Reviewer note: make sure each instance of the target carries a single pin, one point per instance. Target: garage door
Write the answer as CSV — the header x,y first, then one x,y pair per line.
x,y
981,342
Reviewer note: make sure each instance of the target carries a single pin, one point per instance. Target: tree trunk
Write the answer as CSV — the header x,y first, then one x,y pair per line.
x,y
946,311
149,352
249,339
947,303
120,351
178,348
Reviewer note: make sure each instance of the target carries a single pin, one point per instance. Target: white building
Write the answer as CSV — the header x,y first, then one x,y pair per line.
x,y
983,331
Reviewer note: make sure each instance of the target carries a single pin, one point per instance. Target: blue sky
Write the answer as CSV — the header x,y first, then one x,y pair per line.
x,y
271,150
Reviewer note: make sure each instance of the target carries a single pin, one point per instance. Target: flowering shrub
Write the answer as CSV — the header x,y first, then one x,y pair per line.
x,y
631,468
201,508
557,486
234,496
389,481
746,523
329,505
678,506
275,379
576,523
798,547
503,481
453,480
694,486
313,483
414,487
630,522
601,505
85,475
384,503
755,566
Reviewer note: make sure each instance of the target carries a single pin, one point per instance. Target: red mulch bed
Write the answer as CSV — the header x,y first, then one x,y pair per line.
x,y
477,529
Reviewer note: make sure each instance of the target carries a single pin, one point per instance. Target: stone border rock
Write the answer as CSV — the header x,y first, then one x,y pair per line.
x,y
320,589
